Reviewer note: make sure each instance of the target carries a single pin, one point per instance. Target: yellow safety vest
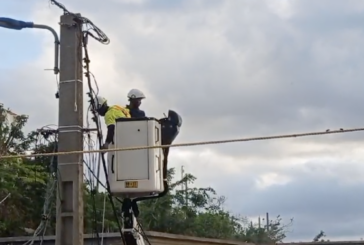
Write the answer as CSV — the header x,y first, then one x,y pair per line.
x,y
124,110
115,112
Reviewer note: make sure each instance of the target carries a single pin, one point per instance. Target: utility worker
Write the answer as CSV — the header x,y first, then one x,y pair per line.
x,y
110,113
135,97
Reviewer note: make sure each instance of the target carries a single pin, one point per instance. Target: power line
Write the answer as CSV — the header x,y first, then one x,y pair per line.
x,y
92,94
97,34
192,143
90,143
50,186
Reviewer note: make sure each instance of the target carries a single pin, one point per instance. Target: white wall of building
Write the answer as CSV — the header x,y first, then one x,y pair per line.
x,y
10,116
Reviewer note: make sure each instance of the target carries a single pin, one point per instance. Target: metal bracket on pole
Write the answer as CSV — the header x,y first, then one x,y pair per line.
x,y
56,45
71,81
69,129
56,131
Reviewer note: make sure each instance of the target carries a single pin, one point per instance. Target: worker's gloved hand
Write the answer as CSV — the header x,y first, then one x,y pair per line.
x,y
105,146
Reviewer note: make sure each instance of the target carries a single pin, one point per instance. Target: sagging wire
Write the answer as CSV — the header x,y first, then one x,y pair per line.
x,y
98,35
90,145
93,175
7,196
142,233
91,166
90,159
97,121
51,185
103,221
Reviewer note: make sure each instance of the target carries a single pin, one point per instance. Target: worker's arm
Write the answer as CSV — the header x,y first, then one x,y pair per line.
x,y
110,134
110,123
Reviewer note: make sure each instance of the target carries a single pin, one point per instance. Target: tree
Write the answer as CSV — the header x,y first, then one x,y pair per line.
x,y
33,181
275,232
21,178
202,215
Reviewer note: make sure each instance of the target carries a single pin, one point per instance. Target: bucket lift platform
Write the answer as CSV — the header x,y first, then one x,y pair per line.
x,y
137,175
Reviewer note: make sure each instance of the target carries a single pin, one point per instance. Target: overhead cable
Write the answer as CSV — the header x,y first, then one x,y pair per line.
x,y
193,143
93,30
50,189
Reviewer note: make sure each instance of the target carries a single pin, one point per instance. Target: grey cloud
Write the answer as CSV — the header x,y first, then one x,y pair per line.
x,y
322,195
261,81
262,92
282,80
315,201
335,16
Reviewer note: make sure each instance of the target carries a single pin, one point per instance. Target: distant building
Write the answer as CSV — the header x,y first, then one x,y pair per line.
x,y
10,116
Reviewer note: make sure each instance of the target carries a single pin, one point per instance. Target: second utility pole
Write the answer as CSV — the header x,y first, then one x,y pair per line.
x,y
69,228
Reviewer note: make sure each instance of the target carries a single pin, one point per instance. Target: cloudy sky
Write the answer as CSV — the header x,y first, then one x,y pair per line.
x,y
232,69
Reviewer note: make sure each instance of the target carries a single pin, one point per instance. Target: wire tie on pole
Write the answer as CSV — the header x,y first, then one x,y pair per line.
x,y
71,81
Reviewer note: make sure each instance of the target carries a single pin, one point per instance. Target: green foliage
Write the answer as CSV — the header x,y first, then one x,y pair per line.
x,y
195,211
199,212
24,179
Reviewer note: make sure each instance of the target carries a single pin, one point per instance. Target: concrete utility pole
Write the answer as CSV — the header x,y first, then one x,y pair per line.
x,y
69,229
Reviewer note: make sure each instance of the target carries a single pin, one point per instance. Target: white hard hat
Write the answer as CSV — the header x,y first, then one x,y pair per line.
x,y
100,101
136,94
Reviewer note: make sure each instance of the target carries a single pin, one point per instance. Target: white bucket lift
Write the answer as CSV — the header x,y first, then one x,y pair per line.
x,y
136,173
